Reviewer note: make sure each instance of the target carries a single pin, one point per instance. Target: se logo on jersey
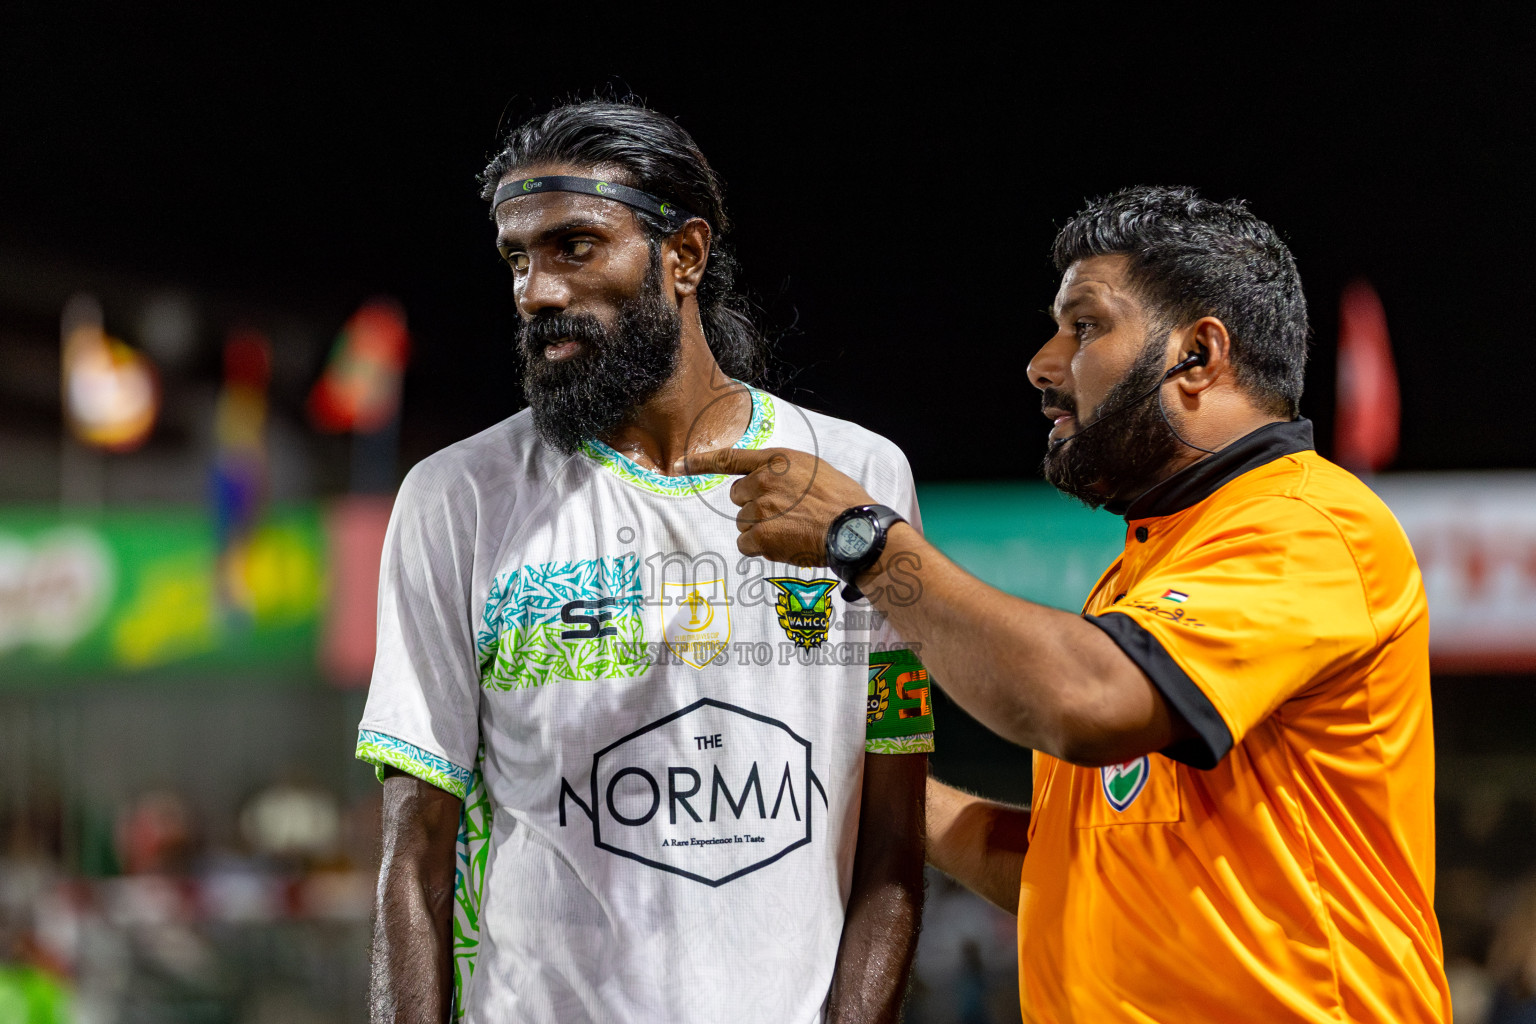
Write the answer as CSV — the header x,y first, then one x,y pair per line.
x,y
805,609
1123,783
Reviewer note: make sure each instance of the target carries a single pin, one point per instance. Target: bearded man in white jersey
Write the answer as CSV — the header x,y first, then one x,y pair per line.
x,y
629,774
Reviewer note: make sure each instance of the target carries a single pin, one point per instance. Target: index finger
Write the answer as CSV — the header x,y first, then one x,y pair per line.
x,y
731,461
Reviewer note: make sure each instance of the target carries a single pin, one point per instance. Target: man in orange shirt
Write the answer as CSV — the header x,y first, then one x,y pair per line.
x,y
1234,764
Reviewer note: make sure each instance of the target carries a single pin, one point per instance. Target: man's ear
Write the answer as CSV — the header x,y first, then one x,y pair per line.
x,y
686,254
1209,336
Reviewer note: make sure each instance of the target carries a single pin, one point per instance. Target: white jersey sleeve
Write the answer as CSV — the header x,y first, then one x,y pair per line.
x,y
892,485
423,703
899,714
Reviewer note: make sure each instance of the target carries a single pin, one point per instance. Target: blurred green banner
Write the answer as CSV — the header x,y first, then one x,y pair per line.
x,y
134,590
1025,538
128,592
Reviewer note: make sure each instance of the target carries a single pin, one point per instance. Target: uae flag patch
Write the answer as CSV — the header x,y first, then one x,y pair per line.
x,y
1176,596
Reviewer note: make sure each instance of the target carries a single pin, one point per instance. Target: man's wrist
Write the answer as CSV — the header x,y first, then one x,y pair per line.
x,y
898,542
855,542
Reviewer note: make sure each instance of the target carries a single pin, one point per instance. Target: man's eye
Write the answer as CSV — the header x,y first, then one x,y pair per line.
x,y
578,247
1082,327
518,261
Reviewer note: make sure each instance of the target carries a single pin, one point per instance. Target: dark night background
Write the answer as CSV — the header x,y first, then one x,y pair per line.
x,y
895,185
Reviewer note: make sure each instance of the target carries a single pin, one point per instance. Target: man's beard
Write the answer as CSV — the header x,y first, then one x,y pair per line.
x,y
616,370
1126,454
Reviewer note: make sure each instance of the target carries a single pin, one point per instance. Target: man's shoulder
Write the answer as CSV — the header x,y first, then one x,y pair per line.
x,y
1305,485
496,464
505,452
834,439
1311,501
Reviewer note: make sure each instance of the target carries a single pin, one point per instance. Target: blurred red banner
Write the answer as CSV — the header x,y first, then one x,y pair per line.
x,y
1365,430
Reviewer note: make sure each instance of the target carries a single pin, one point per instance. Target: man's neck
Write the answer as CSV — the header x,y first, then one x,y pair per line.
x,y
1216,434
698,410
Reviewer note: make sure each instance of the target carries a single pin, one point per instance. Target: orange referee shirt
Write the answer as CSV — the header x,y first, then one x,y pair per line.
x,y
1280,866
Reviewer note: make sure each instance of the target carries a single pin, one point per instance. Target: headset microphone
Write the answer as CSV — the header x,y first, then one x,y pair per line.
x,y
1189,362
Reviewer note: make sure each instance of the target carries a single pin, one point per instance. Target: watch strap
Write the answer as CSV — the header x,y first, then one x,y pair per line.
x,y
883,517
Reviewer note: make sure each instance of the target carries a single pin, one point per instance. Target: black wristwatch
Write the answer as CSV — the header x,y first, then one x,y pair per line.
x,y
854,542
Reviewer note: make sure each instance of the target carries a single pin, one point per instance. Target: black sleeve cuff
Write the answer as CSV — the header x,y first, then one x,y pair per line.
x,y
1212,738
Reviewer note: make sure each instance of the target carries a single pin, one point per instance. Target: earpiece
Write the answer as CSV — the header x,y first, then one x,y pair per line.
x,y
1189,362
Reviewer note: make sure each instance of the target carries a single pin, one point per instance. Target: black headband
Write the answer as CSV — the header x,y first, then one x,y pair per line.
x,y
674,215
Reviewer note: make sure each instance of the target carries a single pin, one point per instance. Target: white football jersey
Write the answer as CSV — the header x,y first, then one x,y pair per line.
x,y
660,742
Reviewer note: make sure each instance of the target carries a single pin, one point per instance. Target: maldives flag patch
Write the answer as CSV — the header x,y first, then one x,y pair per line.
x,y
1176,596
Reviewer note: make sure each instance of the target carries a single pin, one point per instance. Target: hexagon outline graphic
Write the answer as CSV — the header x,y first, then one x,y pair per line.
x,y
597,838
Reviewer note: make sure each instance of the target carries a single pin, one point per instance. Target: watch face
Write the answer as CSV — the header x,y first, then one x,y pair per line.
x,y
853,539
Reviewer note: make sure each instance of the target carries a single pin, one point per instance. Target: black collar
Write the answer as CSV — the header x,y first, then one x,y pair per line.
x,y
1193,484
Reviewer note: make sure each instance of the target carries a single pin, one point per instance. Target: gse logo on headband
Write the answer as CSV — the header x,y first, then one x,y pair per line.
x,y
631,197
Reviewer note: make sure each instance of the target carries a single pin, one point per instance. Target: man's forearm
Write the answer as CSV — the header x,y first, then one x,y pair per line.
x,y
412,964
875,957
1040,677
412,968
886,902
1034,675
979,843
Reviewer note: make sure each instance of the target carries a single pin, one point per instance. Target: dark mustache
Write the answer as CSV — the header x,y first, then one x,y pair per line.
x,y
544,330
1053,398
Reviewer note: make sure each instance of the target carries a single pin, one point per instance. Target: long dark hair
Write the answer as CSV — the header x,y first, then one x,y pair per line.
x,y
657,156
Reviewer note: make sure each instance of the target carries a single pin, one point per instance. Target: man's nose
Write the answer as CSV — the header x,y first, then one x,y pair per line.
x,y
542,291
1052,365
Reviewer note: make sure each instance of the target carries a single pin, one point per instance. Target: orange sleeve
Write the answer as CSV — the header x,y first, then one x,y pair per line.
x,y
1236,620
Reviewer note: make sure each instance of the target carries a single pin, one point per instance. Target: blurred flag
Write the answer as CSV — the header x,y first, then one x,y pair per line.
x,y
111,394
359,390
240,462
1365,429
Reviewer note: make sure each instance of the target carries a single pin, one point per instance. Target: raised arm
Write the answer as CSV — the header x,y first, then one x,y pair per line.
x,y
412,965
1044,679
886,903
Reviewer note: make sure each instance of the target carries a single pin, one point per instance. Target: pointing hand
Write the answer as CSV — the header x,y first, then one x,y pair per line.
x,y
788,499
